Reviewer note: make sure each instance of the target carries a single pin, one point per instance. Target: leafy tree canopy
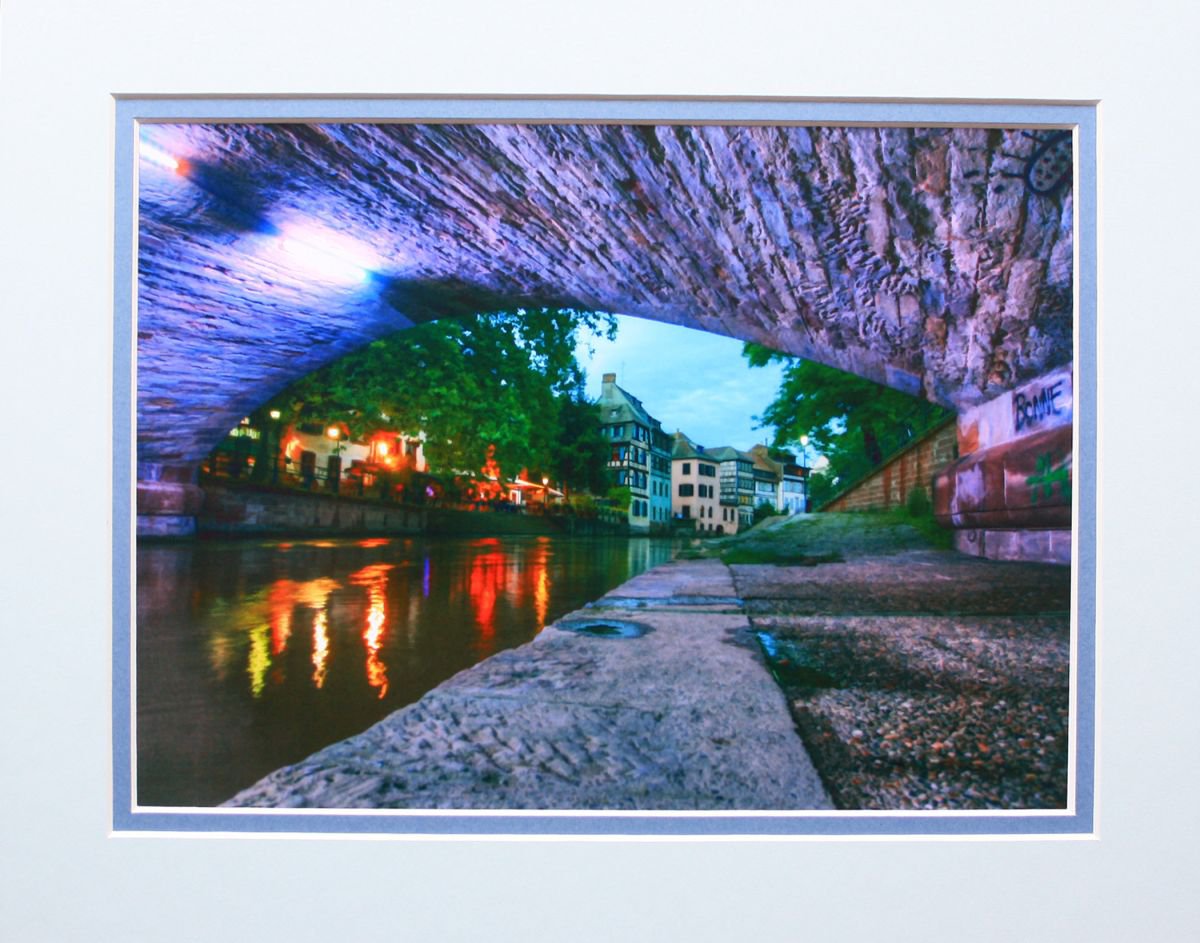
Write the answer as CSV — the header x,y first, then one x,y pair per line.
x,y
853,422
507,378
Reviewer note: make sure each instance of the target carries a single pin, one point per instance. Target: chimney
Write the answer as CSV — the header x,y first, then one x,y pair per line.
x,y
609,378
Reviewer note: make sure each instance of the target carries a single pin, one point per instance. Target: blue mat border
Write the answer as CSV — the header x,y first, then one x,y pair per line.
x,y
1081,117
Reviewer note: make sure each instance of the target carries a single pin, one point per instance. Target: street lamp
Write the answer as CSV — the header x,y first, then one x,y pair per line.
x,y
545,493
804,467
276,457
333,468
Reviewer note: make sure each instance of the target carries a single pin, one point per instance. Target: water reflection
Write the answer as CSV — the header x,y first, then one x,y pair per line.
x,y
320,647
374,578
229,686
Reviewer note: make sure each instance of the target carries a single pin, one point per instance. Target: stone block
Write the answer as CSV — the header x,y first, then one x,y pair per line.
x,y
165,525
1030,546
169,498
1021,483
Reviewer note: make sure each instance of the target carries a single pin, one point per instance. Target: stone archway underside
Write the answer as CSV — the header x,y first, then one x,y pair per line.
x,y
937,261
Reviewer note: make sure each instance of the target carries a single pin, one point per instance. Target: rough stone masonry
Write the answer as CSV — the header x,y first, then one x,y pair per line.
x,y
934,260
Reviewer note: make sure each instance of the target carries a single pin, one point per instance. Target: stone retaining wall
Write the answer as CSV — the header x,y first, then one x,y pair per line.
x,y
248,510
889,486
242,511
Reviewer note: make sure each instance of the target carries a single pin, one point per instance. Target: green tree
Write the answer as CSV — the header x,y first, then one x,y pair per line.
x,y
579,454
503,378
853,422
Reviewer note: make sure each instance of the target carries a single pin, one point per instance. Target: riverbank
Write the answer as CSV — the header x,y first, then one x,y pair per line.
x,y
255,653
917,678
681,717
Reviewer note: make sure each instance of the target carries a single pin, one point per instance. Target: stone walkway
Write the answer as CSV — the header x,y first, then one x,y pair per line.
x,y
918,678
684,717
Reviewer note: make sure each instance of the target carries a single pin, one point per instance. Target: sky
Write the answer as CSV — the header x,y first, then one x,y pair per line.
x,y
688,380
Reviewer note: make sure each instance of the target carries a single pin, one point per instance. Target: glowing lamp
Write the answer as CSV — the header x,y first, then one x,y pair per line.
x,y
275,414
545,481
333,432
383,448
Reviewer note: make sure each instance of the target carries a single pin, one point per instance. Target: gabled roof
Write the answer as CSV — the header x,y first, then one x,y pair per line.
x,y
764,462
727,453
686,448
628,407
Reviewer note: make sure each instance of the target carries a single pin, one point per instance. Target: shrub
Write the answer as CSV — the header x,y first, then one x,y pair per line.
x,y
762,512
918,504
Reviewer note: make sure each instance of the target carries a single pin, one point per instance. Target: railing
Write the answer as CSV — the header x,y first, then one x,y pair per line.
x,y
851,472
416,489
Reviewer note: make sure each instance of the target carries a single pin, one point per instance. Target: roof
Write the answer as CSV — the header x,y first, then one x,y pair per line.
x,y
629,407
727,453
686,448
764,462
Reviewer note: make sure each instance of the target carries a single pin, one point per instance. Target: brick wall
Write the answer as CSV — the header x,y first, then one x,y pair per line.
x,y
889,485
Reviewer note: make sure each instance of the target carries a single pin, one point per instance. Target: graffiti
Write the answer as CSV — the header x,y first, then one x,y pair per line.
x,y
1047,477
1049,167
1030,410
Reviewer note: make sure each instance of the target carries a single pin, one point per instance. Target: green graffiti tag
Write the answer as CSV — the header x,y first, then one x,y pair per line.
x,y
1047,477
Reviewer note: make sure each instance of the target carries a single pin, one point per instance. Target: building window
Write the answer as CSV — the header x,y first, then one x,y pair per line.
x,y
685,491
708,471
687,468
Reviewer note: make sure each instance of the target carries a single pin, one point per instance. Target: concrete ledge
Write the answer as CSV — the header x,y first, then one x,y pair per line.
x,y
1037,546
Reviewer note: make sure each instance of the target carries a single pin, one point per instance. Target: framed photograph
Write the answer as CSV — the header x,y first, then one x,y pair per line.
x,y
397,555
119,195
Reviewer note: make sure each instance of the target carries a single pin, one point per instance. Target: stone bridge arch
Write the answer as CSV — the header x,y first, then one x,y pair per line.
x,y
934,260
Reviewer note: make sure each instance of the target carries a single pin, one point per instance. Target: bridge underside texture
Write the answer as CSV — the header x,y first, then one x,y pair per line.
x,y
937,261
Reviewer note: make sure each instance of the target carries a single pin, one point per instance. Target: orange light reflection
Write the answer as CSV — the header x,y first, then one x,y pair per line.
x,y
374,579
320,652
541,589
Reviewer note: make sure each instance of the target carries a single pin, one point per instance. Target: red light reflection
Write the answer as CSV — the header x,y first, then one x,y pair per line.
x,y
484,583
281,599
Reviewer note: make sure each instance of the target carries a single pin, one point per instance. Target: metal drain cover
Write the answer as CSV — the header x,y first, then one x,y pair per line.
x,y
604,628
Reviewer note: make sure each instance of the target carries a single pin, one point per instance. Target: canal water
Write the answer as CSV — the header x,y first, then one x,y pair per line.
x,y
252,655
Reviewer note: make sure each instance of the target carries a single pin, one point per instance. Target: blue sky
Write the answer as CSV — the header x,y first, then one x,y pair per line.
x,y
689,380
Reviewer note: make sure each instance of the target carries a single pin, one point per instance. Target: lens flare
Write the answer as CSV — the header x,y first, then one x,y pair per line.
x,y
157,156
